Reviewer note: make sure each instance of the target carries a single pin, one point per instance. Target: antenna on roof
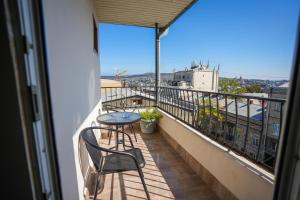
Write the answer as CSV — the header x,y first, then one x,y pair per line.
x,y
119,74
194,63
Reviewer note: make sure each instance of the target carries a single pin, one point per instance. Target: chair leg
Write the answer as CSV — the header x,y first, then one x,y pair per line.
x,y
132,131
96,187
143,182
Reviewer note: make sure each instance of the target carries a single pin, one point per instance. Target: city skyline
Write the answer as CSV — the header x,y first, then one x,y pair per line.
x,y
259,44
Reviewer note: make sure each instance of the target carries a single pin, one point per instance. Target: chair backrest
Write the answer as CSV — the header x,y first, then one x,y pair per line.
x,y
110,108
105,108
91,143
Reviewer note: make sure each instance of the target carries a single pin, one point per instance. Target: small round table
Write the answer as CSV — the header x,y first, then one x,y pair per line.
x,y
118,119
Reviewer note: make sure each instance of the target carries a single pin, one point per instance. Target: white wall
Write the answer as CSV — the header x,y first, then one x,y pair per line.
x,y
83,163
74,77
206,80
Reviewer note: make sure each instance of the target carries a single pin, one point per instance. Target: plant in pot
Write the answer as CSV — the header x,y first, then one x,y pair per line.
x,y
149,120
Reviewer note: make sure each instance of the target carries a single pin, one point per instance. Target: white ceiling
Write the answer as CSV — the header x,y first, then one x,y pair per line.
x,y
140,12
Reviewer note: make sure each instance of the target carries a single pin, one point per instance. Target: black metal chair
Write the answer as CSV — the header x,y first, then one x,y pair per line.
x,y
114,161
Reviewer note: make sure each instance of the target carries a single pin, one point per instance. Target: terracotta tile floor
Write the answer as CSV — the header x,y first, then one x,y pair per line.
x,y
167,176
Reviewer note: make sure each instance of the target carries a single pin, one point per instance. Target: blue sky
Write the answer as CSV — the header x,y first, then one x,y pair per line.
x,y
249,38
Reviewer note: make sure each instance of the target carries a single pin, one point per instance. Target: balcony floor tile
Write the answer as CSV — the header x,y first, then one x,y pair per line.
x,y
167,176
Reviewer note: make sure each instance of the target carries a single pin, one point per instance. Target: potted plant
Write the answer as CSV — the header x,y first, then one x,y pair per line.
x,y
149,120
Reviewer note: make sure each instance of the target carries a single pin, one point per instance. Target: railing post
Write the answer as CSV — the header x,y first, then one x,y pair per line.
x,y
262,131
157,64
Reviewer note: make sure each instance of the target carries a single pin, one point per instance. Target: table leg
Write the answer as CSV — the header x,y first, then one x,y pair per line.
x,y
109,135
123,138
117,138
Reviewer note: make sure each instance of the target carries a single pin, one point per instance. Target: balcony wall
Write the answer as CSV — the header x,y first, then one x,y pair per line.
x,y
84,167
229,175
73,68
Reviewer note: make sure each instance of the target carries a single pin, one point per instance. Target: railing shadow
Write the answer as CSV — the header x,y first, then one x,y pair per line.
x,y
166,174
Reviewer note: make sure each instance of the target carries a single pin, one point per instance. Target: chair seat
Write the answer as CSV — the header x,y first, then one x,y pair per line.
x,y
119,163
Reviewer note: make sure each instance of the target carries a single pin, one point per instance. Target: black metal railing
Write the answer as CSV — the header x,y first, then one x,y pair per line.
x,y
129,97
248,125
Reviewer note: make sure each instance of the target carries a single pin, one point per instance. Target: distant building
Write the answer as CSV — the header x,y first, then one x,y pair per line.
x,y
256,101
110,83
242,82
199,77
271,129
236,128
273,121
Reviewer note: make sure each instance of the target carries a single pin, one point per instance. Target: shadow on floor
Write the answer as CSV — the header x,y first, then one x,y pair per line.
x,y
167,176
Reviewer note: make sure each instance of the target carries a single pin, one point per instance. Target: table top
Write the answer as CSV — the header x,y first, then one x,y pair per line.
x,y
118,118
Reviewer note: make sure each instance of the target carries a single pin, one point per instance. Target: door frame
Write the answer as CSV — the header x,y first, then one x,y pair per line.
x,y
30,104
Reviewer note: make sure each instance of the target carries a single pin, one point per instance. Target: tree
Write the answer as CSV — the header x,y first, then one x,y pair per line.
x,y
208,116
255,88
231,86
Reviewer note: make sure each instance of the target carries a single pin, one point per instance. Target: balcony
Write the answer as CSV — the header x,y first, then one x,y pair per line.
x,y
202,150
208,144
230,120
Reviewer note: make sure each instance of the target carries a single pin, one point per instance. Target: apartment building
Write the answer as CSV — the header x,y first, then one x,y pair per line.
x,y
274,122
199,77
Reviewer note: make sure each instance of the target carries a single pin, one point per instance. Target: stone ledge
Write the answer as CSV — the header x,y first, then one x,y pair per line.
x,y
259,171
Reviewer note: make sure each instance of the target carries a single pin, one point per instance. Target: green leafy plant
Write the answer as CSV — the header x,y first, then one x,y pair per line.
x,y
231,86
253,88
208,115
150,115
